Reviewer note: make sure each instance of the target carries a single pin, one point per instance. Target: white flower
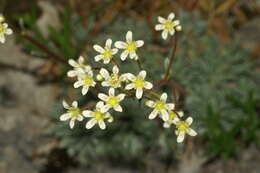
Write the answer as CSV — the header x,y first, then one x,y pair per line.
x,y
111,100
78,67
173,118
106,53
114,80
183,127
4,30
73,113
85,80
129,46
168,25
138,83
97,116
160,107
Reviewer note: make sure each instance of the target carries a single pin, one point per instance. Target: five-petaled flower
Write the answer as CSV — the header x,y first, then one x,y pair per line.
x,y
85,80
168,25
113,80
4,30
173,117
138,83
106,53
183,127
97,116
78,67
73,113
129,46
111,100
160,107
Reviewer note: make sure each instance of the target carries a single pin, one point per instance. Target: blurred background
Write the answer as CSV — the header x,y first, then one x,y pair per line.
x,y
214,79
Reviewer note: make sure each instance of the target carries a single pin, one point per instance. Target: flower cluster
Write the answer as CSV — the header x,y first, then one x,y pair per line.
x,y
114,87
4,30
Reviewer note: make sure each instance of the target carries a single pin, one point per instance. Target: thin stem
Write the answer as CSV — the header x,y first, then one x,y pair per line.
x,y
167,73
89,106
114,62
139,64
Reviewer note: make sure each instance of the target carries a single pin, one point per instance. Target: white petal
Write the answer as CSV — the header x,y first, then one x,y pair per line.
x,y
105,108
120,97
153,114
150,103
99,105
115,70
106,61
170,106
191,132
104,73
139,93
73,63
108,43
98,57
91,123
164,34
105,84
148,85
180,137
84,90
133,55
166,124
8,31
120,45
124,55
98,48
111,92
165,115
130,76
2,38
72,73
171,16
87,113
129,86
118,108
163,97
81,60
72,123
65,104
102,125
159,27
129,36
142,74
65,117
80,118
189,121
161,19
114,51
77,84
180,113
75,104
139,43
172,31
102,96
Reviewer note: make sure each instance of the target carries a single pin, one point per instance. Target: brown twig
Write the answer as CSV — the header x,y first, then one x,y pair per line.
x,y
167,73
4,66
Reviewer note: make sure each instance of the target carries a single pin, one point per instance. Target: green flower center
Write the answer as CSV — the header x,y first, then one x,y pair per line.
x,y
131,47
112,101
168,25
98,115
159,105
107,54
74,112
139,83
182,126
88,80
2,29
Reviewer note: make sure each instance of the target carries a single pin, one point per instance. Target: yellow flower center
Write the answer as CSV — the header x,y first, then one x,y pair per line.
x,y
112,101
88,80
131,47
172,115
114,81
98,115
107,54
74,112
2,29
182,126
139,83
168,25
159,105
